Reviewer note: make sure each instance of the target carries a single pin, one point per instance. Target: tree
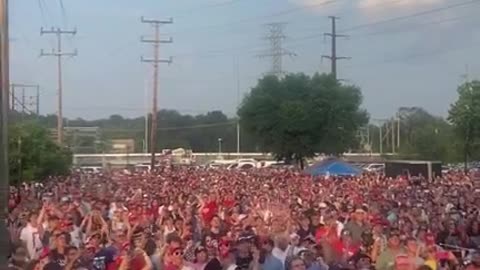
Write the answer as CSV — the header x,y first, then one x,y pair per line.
x,y
425,136
464,114
33,155
197,132
298,116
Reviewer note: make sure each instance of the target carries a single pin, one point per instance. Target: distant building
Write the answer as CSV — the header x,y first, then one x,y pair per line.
x,y
122,146
80,140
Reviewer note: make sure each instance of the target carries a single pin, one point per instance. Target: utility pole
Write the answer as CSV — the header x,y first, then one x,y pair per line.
x,y
380,127
37,101
276,52
398,132
4,106
58,52
23,100
155,61
393,135
147,113
333,57
237,69
12,94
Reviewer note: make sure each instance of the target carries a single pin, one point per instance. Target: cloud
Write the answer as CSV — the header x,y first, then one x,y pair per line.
x,y
376,7
321,6
367,8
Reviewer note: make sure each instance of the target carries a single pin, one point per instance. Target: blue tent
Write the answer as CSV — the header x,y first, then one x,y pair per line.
x,y
334,167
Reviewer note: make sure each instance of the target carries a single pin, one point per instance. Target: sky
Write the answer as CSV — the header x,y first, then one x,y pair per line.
x,y
403,52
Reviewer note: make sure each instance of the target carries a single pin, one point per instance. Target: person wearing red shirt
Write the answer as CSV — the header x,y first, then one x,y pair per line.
x,y
345,247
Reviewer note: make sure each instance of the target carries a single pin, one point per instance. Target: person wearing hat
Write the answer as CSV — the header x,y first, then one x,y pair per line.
x,y
357,225
386,260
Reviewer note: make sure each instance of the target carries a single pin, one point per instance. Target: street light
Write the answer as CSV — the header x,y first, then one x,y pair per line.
x,y
220,146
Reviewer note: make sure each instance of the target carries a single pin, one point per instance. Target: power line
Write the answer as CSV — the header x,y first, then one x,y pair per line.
x,y
417,14
214,5
253,19
380,22
64,13
414,27
302,39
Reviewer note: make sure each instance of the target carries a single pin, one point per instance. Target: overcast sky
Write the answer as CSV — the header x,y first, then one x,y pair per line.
x,y
417,61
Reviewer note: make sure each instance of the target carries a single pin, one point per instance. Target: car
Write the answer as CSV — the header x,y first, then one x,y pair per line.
x,y
91,169
375,167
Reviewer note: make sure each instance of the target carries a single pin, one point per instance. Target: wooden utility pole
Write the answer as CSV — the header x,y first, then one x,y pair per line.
x,y
4,107
155,61
58,52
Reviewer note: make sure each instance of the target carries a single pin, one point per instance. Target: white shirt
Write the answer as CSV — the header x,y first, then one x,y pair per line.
x,y
340,227
76,236
282,254
31,237
232,267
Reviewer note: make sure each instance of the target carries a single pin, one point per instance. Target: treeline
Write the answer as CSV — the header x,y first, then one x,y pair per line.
x,y
197,132
296,116
422,135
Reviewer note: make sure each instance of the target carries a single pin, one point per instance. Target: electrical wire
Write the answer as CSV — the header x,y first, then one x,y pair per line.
x,y
400,18
352,28
414,15
64,13
214,5
256,18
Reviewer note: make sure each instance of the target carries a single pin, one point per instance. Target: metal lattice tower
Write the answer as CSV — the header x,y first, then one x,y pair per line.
x,y
276,52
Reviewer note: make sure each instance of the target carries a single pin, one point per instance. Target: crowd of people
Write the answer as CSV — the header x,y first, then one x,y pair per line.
x,y
191,218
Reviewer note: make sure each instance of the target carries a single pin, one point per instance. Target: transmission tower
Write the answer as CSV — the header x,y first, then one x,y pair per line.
x,y
28,102
333,56
155,61
59,53
276,52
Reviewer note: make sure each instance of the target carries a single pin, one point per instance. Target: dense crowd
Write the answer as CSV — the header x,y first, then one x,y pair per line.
x,y
193,218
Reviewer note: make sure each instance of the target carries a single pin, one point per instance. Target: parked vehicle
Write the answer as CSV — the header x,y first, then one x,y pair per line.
x,y
375,167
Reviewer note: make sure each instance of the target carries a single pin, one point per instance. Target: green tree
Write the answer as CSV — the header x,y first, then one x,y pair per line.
x,y
197,132
425,136
33,155
464,114
298,116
